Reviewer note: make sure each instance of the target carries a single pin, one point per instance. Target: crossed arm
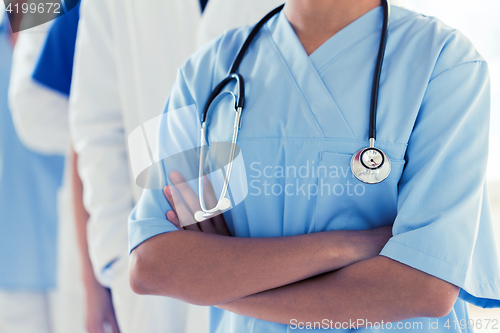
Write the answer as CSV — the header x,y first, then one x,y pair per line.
x,y
378,289
335,275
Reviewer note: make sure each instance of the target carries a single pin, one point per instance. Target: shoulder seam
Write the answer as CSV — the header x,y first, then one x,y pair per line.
x,y
453,67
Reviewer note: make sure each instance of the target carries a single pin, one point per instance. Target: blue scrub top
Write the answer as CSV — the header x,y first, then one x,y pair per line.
x,y
29,184
55,64
305,117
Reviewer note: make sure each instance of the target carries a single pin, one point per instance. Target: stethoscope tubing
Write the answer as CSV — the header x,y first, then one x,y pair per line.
x,y
378,71
240,103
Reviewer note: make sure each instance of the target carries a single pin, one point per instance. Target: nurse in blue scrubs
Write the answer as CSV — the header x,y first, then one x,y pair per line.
x,y
28,219
320,249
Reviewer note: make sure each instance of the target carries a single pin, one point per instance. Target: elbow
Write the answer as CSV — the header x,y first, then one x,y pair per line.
x,y
142,280
26,131
40,118
147,278
144,274
439,299
139,274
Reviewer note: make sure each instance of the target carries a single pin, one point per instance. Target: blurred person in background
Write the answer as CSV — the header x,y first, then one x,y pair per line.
x,y
40,106
126,60
29,182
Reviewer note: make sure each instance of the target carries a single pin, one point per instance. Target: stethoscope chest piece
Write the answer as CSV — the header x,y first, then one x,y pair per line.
x,y
370,165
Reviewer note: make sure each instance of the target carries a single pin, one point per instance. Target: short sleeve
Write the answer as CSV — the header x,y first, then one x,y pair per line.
x,y
55,64
443,226
193,84
148,217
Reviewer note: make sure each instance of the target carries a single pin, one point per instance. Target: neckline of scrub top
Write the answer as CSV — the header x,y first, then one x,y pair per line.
x,y
312,87
364,26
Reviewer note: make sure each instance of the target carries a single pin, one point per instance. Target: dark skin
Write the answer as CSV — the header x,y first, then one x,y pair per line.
x,y
315,21
257,264
335,274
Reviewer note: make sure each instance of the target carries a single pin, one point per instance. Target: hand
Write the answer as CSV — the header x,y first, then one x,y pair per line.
x,y
182,215
99,312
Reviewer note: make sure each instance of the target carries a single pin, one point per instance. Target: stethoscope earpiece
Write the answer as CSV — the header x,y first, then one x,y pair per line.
x,y
222,205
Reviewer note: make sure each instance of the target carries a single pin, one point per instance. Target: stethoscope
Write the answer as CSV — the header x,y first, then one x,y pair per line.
x,y
370,165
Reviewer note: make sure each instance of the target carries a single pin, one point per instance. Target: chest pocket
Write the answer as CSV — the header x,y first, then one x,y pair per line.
x,y
345,203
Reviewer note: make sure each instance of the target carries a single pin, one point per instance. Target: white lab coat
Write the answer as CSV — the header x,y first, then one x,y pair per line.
x,y
126,61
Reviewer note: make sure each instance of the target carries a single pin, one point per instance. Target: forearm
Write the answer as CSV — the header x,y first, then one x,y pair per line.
x,y
373,290
209,269
81,217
